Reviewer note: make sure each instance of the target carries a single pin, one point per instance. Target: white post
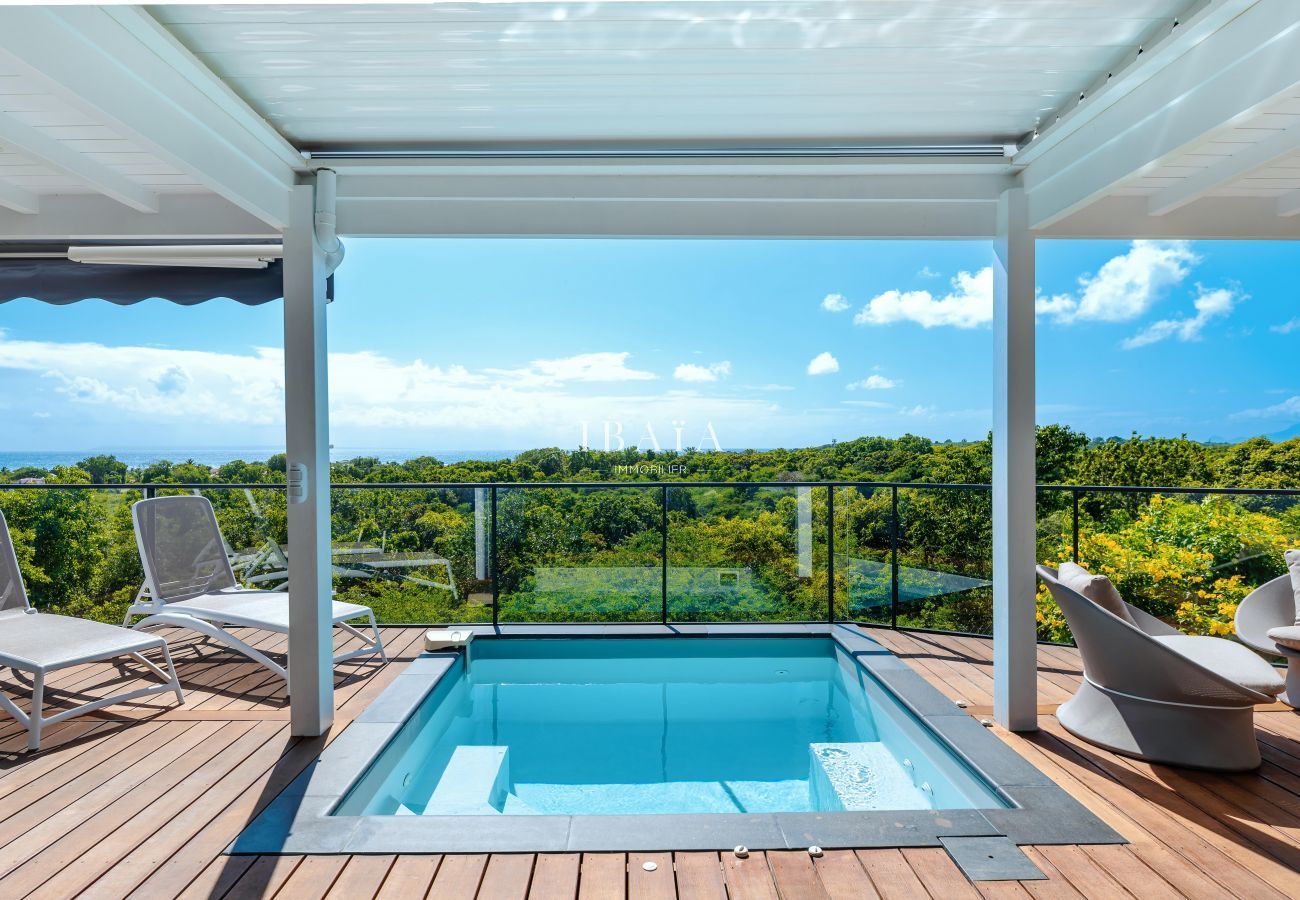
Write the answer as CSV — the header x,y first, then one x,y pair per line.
x,y
480,534
803,532
306,402
1015,663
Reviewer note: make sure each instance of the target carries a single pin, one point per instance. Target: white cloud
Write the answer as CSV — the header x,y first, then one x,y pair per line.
x,y
823,364
200,390
1126,286
692,372
1287,327
1289,407
868,404
582,367
927,272
917,410
968,305
835,303
874,383
1209,305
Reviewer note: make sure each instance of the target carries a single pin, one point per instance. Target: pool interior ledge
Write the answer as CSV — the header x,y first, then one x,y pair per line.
x,y
984,842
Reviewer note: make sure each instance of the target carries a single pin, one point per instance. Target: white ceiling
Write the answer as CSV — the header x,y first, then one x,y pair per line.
x,y
666,73
191,120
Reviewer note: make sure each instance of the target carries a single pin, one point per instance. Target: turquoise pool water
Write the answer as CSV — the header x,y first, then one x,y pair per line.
x,y
648,726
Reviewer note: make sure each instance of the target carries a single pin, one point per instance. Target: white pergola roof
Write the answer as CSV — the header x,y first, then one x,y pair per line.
x,y
887,118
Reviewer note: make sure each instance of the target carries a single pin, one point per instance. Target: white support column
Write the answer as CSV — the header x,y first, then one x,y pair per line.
x,y
306,400
1015,664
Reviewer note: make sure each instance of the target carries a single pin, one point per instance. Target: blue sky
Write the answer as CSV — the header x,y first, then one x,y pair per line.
x,y
482,344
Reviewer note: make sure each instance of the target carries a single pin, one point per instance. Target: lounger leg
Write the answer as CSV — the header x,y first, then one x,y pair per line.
x,y
210,630
379,643
175,679
37,716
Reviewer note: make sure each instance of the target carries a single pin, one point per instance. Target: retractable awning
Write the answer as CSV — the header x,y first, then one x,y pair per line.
x,y
43,271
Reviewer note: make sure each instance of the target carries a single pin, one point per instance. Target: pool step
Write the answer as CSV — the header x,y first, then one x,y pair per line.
x,y
475,782
862,776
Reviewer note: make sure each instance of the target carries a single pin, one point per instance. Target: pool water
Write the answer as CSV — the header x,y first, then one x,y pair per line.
x,y
646,726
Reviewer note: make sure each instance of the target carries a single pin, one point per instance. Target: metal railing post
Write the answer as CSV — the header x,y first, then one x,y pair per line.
x,y
496,587
1074,528
663,552
830,554
893,557
147,491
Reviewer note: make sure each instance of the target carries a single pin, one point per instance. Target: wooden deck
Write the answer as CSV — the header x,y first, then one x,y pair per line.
x,y
140,801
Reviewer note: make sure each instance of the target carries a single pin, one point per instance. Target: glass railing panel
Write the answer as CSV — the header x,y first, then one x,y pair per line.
x,y
579,554
945,559
746,554
414,555
863,554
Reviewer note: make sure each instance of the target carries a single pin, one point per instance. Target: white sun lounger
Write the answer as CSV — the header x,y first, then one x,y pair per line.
x,y
40,643
188,583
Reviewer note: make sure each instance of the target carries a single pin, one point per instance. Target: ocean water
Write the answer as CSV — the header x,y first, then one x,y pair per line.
x,y
644,726
216,456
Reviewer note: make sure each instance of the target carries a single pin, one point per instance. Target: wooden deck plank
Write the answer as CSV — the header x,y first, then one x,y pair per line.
x,y
661,884
507,877
699,876
892,876
263,878
555,876
794,875
935,869
410,877
843,877
458,877
313,878
603,876
748,878
362,876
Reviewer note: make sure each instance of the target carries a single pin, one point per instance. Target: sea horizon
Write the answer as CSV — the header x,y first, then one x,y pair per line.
x,y
218,456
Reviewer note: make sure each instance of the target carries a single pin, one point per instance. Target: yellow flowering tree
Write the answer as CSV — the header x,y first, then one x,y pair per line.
x,y
1185,562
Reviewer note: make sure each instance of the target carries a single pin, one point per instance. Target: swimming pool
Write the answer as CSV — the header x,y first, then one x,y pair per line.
x,y
628,726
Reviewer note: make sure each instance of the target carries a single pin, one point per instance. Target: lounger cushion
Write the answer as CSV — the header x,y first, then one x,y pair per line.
x,y
1287,636
255,609
32,641
1097,588
1229,659
1293,566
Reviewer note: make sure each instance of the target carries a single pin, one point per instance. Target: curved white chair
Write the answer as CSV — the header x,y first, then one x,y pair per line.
x,y
1269,606
1153,693
188,583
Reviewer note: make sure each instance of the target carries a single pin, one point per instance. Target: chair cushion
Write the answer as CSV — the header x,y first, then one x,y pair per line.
x,y
1293,566
1287,636
268,610
1097,588
43,641
1229,659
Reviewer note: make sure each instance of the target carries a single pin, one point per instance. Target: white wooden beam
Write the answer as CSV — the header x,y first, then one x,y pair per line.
x,y
1210,218
1223,80
18,199
306,406
1289,204
1200,21
59,156
1242,163
95,217
1015,660
90,60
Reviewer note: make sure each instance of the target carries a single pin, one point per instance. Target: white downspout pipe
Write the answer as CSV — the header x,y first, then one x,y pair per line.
x,y
326,219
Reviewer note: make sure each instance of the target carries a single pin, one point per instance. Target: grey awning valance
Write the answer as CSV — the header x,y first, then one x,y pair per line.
x,y
43,272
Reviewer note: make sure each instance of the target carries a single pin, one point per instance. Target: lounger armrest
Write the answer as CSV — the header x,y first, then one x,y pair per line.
x,y
1271,605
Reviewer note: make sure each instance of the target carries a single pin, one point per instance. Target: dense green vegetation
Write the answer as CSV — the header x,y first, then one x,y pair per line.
x,y
733,553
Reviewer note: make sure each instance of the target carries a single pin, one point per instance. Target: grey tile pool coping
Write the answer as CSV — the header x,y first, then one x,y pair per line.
x,y
1040,811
